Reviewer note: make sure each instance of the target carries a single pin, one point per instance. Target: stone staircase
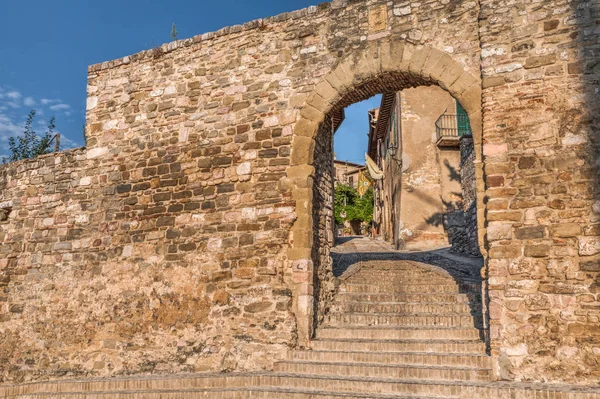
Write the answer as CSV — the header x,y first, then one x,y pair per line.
x,y
396,329
404,327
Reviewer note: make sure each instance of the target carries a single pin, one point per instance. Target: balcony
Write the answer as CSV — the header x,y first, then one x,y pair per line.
x,y
450,128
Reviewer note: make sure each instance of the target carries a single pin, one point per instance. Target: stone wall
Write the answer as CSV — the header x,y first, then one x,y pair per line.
x,y
465,225
541,120
170,248
324,221
103,273
182,238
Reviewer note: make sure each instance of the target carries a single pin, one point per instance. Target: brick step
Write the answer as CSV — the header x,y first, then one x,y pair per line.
x,y
402,308
285,386
400,288
414,358
399,371
404,298
399,346
396,280
395,333
401,271
223,393
406,274
382,319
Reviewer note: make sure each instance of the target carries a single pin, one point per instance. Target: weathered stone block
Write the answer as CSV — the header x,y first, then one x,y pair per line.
x,y
566,230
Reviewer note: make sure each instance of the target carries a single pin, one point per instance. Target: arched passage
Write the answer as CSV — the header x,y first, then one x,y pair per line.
x,y
382,66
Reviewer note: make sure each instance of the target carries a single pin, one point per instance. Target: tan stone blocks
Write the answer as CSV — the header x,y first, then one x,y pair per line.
x,y
499,231
303,149
434,65
418,59
327,93
506,252
566,230
185,139
306,128
312,114
451,73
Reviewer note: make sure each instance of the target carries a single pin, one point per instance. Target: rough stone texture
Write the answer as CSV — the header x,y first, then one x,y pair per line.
x,y
541,129
323,217
464,225
181,239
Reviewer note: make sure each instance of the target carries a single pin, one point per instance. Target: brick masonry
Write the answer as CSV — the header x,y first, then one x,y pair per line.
x,y
182,238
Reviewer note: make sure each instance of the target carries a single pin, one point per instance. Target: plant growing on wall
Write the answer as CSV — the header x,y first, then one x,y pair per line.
x,y
349,206
29,144
174,32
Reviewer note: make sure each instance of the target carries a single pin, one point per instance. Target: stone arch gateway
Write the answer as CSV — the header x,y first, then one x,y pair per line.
x,y
180,240
380,66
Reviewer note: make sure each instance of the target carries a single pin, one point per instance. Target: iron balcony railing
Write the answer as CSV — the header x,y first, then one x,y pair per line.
x,y
449,125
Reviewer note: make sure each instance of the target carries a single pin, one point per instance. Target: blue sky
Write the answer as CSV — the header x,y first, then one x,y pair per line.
x,y
48,46
351,140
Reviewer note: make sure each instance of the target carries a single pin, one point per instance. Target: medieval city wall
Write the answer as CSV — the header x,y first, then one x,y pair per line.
x,y
541,118
167,245
182,238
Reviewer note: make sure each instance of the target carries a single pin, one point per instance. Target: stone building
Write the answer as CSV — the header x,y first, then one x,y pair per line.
x,y
347,172
426,198
419,152
193,233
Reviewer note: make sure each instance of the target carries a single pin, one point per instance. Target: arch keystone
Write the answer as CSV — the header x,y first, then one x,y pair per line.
x,y
407,55
368,63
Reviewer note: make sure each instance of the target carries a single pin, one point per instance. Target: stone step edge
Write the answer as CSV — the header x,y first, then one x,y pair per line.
x,y
387,365
251,391
347,294
394,303
336,313
443,354
397,328
401,341
479,346
344,294
467,384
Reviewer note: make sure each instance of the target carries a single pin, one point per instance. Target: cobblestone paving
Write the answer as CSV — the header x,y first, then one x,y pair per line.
x,y
350,252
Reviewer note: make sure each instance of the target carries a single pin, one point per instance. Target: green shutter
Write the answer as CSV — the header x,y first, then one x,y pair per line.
x,y
462,121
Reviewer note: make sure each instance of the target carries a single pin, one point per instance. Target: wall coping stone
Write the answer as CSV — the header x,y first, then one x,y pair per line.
x,y
165,48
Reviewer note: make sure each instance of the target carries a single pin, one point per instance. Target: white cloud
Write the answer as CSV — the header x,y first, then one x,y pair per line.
x,y
14,95
46,101
29,102
8,127
60,107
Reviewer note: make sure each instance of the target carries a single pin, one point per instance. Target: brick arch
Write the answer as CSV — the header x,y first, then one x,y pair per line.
x,y
384,66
